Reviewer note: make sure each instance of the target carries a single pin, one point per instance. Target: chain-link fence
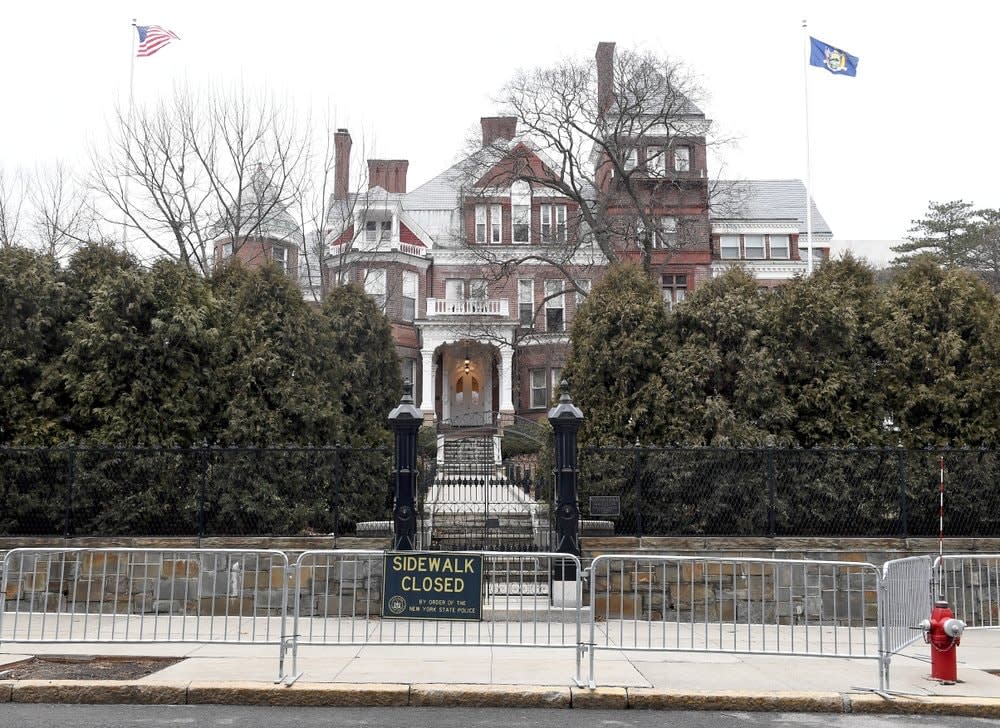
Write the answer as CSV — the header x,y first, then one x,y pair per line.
x,y
790,492
202,491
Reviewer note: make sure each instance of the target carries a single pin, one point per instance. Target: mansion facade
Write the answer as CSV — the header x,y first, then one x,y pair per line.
x,y
482,269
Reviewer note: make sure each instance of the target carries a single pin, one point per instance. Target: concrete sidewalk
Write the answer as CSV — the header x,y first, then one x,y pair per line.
x,y
528,677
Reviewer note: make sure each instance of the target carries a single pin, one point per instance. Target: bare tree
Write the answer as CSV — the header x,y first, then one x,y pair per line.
x,y
199,168
62,214
13,192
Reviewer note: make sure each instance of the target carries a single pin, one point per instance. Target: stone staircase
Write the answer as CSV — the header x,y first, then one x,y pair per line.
x,y
473,506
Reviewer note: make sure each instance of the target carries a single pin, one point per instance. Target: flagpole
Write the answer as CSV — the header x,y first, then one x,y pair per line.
x,y
131,104
809,224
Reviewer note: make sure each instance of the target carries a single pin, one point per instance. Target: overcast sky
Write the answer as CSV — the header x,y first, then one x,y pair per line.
x,y
412,79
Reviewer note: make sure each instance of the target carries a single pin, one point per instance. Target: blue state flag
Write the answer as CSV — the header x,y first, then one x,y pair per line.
x,y
834,60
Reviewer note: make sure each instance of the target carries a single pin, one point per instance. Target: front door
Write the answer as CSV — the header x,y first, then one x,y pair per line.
x,y
467,399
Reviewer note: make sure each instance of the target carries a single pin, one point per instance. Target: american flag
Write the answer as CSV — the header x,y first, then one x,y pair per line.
x,y
152,38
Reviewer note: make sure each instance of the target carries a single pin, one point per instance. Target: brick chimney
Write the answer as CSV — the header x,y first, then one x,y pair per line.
x,y
498,127
342,164
389,174
605,75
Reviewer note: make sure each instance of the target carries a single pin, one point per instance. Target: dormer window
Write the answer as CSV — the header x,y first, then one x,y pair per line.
x,y
488,218
378,231
520,212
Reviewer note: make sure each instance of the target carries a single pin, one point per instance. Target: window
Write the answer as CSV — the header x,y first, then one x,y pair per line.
x,y
375,286
631,159
582,284
555,376
539,395
674,289
656,160
377,231
682,159
553,223
520,212
495,220
729,247
753,247
554,307
479,292
779,246
454,293
665,235
526,303
410,284
480,223
227,251
279,254
488,223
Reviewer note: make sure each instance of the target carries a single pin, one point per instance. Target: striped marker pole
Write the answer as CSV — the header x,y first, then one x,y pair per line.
x,y
941,506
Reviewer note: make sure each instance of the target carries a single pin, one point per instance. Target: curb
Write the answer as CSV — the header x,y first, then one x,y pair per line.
x,y
120,692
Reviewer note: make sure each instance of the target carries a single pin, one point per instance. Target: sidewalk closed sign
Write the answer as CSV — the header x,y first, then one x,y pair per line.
x,y
432,585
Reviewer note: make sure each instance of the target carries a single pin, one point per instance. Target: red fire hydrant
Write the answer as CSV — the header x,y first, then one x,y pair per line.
x,y
943,633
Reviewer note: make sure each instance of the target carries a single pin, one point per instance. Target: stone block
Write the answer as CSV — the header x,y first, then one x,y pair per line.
x,y
145,570
721,569
142,586
267,598
177,588
180,568
173,606
38,602
11,590
689,570
88,590
94,564
217,583
213,562
618,606
336,605
686,593
225,606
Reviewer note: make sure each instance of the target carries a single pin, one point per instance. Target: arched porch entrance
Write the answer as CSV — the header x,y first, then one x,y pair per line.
x,y
468,380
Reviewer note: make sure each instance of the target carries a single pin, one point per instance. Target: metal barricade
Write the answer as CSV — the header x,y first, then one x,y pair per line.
x,y
106,595
742,605
904,599
338,601
970,583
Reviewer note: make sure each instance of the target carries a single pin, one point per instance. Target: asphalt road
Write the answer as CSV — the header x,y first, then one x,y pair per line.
x,y
16,715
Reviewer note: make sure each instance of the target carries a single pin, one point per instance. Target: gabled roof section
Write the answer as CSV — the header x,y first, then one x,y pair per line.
x,y
262,212
769,199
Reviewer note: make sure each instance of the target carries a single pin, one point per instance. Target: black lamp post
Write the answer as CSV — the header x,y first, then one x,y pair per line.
x,y
566,419
405,420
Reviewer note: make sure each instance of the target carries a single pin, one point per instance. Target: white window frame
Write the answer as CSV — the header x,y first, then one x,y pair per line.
x,y
526,297
555,380
656,160
496,224
787,247
584,285
557,302
375,285
733,246
226,251
665,235
520,212
631,160
378,231
279,254
682,158
538,391
754,252
410,287
481,223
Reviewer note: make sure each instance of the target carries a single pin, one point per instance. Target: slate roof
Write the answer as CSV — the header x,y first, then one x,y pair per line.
x,y
767,199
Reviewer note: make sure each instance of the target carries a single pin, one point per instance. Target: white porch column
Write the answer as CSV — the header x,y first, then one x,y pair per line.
x,y
427,396
506,378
